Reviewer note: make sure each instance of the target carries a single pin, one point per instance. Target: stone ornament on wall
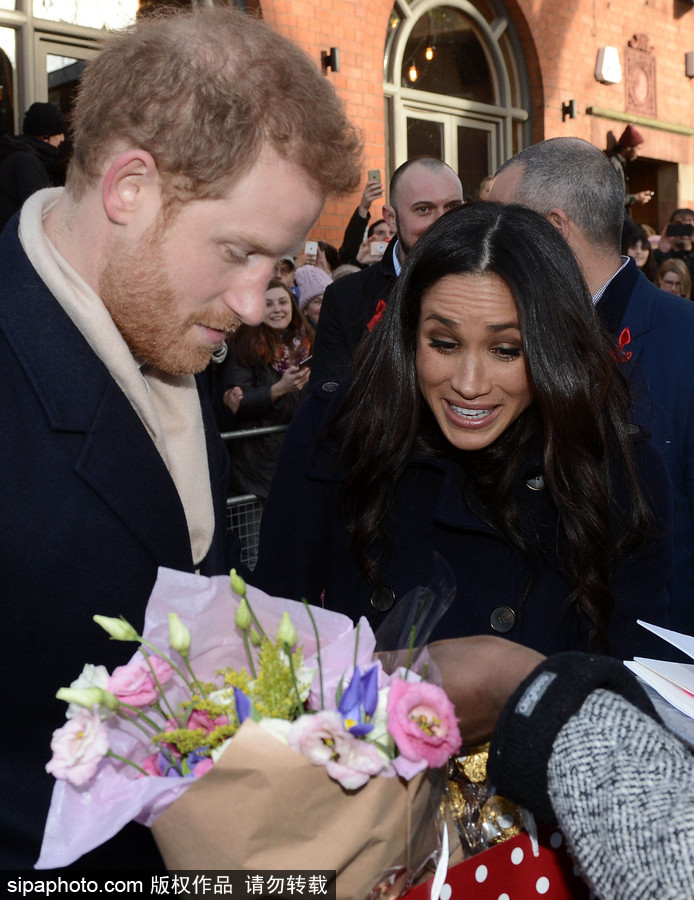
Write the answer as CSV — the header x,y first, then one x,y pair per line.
x,y
639,65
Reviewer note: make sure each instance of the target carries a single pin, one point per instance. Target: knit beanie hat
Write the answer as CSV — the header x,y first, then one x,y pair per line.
x,y
630,137
43,120
311,280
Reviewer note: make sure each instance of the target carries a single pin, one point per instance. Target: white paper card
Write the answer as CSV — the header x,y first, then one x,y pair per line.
x,y
673,681
683,642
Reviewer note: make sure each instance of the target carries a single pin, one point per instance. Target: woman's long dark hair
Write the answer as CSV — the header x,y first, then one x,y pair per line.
x,y
260,343
578,414
636,235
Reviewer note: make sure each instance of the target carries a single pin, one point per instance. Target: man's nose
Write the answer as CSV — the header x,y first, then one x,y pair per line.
x,y
246,292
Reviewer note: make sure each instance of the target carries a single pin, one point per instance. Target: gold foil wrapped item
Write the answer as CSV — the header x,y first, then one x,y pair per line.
x,y
482,818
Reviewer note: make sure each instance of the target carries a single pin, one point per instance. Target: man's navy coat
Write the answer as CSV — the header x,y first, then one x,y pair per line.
x,y
656,332
89,514
349,304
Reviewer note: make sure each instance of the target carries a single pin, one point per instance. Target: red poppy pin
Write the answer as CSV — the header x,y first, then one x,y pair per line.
x,y
378,315
624,339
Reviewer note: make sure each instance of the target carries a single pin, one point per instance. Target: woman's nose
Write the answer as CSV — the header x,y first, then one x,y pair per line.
x,y
471,378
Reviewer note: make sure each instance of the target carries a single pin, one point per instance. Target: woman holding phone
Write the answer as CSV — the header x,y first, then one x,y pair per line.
x,y
487,424
269,363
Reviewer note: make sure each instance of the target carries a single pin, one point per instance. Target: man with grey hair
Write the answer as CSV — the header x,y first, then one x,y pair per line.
x,y
574,185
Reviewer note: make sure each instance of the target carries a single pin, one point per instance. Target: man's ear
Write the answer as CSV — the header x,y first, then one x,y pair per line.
x,y
131,187
561,221
389,215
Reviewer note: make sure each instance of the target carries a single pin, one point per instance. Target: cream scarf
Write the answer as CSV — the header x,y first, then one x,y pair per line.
x,y
168,405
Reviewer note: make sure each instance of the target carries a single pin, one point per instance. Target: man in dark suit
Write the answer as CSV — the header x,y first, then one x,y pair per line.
x,y
114,293
573,183
421,191
27,160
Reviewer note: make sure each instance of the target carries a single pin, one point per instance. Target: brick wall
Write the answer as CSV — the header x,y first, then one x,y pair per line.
x,y
359,30
559,40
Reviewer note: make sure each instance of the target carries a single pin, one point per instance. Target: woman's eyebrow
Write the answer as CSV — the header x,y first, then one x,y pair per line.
x,y
442,319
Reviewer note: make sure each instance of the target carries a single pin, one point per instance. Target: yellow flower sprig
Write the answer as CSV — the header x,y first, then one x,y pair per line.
x,y
276,684
187,740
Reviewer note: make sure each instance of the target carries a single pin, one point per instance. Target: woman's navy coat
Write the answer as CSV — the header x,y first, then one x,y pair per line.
x,y
304,548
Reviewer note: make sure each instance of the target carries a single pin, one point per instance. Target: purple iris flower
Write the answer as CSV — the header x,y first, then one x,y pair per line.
x,y
196,756
168,764
171,766
243,705
358,703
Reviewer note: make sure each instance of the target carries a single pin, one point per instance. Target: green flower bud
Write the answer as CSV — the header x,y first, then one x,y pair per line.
x,y
243,614
286,633
256,639
179,636
119,629
238,585
109,700
82,696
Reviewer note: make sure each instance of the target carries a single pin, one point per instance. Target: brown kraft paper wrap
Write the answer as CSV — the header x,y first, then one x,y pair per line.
x,y
263,806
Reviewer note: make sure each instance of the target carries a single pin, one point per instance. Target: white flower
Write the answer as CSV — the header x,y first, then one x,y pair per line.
x,y
322,739
223,697
379,734
91,676
304,679
78,747
217,751
278,728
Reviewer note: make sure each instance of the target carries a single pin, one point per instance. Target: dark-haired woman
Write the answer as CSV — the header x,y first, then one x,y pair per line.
x,y
635,243
264,362
486,423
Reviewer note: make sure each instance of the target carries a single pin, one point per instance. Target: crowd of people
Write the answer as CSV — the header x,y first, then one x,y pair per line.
x,y
501,383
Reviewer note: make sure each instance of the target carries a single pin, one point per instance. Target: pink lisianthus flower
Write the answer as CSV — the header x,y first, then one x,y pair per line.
x,y
322,739
200,718
151,765
135,685
422,722
203,766
78,747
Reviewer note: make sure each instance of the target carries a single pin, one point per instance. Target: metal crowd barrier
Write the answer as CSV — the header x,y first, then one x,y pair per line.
x,y
245,510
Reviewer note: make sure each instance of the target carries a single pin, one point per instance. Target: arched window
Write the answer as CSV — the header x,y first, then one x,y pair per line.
x,y
455,86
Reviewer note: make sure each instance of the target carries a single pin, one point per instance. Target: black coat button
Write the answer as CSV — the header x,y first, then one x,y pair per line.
x,y
502,619
383,599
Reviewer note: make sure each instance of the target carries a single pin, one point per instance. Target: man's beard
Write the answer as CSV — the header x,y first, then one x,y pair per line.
x,y
136,290
403,246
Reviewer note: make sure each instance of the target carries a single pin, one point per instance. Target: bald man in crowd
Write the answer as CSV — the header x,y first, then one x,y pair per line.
x,y
421,191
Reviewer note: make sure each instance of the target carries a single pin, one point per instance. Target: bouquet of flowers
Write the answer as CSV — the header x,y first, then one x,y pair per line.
x,y
283,710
